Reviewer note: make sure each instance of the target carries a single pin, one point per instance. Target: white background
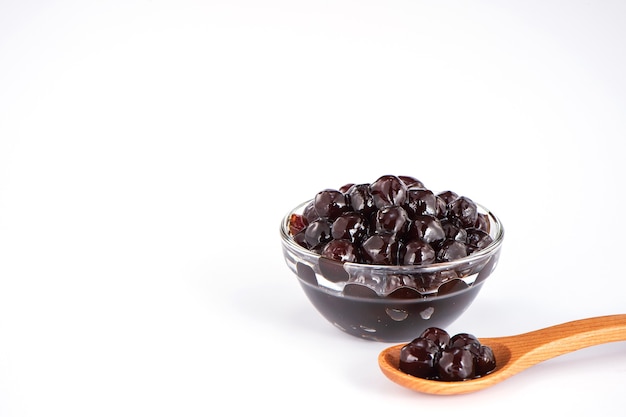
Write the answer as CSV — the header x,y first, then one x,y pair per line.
x,y
148,150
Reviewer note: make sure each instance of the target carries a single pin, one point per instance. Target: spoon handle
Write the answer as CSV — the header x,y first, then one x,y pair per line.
x,y
530,348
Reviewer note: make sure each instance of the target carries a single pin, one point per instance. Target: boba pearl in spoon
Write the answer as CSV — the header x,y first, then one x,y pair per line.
x,y
514,353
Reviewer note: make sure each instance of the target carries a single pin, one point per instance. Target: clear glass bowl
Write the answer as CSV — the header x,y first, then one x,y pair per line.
x,y
390,303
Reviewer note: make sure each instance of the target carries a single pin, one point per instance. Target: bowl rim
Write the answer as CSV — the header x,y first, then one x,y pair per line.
x,y
493,247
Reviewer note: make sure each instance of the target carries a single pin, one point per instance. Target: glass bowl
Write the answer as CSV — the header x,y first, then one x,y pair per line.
x,y
390,303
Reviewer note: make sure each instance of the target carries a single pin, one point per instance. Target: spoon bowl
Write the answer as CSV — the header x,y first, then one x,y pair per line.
x,y
514,353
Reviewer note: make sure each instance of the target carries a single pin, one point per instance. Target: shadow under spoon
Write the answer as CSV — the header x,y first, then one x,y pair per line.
x,y
514,353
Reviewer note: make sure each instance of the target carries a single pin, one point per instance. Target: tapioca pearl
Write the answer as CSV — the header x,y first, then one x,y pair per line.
x,y
317,233
341,250
306,273
344,188
452,286
437,335
477,239
330,204
451,250
411,182
465,210
351,226
380,249
419,358
388,190
456,364
417,252
297,223
453,230
360,291
426,228
482,222
447,196
333,270
485,361
360,199
394,281
421,201
392,219
466,341
309,212
405,293
427,282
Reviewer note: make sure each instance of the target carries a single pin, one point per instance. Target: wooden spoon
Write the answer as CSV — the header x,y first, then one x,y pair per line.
x,y
515,353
